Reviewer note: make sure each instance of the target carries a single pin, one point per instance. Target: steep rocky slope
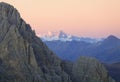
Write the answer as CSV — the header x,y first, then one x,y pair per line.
x,y
25,58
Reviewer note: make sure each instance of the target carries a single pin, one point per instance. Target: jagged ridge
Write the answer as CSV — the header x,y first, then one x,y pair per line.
x,y
25,56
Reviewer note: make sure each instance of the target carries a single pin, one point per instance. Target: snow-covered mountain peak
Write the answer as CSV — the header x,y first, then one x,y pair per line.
x,y
62,36
57,35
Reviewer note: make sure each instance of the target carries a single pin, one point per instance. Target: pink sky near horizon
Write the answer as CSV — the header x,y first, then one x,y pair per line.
x,y
90,18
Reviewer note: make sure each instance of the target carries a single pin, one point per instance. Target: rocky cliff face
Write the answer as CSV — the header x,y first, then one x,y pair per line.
x,y
90,70
23,57
87,69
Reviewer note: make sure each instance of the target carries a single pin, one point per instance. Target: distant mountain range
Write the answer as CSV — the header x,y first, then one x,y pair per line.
x,y
62,36
106,50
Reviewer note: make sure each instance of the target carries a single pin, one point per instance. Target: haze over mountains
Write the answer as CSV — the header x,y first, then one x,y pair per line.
x,y
62,36
106,50
25,58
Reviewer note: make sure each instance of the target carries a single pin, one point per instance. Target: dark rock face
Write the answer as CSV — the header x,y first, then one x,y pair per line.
x,y
90,70
87,69
25,58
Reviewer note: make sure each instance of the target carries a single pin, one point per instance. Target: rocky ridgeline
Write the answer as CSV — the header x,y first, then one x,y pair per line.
x,y
86,69
25,58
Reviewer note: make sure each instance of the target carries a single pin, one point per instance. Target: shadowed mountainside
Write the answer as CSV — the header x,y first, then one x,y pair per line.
x,y
114,70
107,51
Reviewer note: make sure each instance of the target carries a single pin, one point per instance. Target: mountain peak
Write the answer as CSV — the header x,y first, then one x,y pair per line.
x,y
23,56
4,4
62,36
112,37
57,35
9,13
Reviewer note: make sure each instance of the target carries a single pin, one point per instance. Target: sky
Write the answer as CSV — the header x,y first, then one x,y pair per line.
x,y
88,18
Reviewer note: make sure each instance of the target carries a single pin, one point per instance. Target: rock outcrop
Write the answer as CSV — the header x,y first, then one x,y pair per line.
x,y
86,69
25,58
90,70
